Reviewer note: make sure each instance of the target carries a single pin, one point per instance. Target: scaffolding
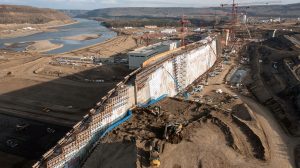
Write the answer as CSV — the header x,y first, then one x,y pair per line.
x,y
180,73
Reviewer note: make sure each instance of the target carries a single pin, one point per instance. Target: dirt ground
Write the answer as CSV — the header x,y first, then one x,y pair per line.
x,y
211,137
274,81
231,129
43,91
25,153
43,46
111,47
29,83
33,91
104,151
83,37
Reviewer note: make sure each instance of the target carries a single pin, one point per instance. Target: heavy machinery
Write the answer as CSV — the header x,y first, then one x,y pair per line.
x,y
155,149
237,6
22,126
184,24
155,110
172,129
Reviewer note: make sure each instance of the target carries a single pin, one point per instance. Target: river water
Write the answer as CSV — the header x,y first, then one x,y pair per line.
x,y
83,26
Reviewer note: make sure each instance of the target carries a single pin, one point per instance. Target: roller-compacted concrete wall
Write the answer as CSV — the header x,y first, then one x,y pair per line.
x,y
168,76
173,75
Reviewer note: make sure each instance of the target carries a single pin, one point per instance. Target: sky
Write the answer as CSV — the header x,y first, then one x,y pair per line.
x,y
96,4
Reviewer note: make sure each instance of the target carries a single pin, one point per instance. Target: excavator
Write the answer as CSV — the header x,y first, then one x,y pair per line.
x,y
155,110
155,148
172,129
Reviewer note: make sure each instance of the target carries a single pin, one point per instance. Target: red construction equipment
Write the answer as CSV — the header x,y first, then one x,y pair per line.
x,y
184,24
234,15
235,6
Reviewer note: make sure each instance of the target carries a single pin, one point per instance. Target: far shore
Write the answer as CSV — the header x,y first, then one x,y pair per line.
x,y
8,31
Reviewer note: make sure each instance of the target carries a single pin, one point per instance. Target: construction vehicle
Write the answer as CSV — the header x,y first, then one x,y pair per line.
x,y
12,143
155,110
172,129
184,30
154,154
21,126
46,109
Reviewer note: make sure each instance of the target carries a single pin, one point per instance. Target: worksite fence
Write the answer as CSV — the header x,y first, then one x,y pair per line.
x,y
143,87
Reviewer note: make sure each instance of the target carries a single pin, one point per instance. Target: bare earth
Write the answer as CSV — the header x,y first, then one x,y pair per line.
x,y
33,89
83,37
43,46
32,80
106,49
260,142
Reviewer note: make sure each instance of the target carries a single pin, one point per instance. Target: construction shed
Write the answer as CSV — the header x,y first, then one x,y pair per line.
x,y
138,56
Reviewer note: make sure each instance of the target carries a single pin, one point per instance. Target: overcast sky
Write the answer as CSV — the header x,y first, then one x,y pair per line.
x,y
95,4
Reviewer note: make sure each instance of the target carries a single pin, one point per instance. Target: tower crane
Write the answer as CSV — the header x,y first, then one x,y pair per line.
x,y
235,6
234,14
184,23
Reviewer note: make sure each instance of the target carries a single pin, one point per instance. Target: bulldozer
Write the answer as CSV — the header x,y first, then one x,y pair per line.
x,y
172,129
155,149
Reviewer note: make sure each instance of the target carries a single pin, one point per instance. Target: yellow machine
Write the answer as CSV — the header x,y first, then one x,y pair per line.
x,y
155,163
154,154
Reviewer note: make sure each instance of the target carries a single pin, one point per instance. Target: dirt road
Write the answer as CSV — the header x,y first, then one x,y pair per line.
x,y
281,145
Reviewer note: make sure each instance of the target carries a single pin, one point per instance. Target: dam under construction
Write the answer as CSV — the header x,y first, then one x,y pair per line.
x,y
165,75
150,87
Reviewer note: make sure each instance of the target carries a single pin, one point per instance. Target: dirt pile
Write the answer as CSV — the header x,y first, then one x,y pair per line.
x,y
239,141
43,46
82,37
242,112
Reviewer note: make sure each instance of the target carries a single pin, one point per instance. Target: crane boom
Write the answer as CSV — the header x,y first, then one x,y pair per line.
x,y
235,6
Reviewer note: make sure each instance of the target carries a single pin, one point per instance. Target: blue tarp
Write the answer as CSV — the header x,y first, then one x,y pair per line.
x,y
116,124
153,101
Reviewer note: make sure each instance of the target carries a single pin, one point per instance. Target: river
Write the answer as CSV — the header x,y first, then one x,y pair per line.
x,y
83,26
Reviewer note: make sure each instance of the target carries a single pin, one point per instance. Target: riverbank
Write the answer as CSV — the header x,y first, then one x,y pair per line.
x,y
8,31
105,49
84,33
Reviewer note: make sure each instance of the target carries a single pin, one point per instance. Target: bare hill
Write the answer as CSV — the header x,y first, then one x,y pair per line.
x,y
25,14
291,10
73,13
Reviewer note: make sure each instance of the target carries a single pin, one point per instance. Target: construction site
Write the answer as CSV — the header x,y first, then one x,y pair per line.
x,y
169,97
